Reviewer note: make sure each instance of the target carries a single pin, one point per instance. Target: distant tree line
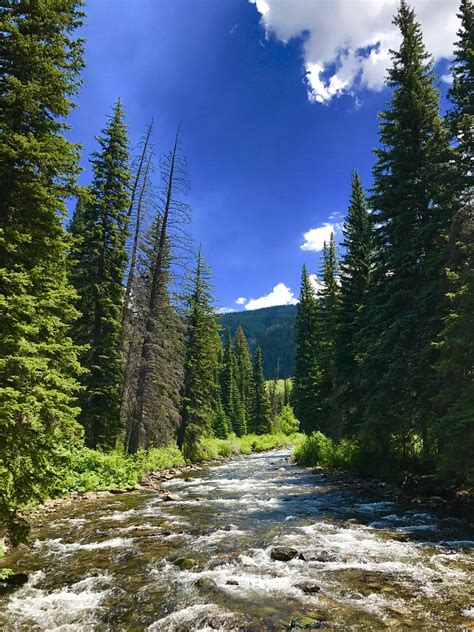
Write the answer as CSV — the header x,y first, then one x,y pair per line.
x,y
385,349
271,329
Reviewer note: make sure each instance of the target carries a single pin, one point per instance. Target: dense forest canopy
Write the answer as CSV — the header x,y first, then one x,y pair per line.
x,y
109,336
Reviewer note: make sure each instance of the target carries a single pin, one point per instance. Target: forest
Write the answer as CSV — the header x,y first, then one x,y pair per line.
x,y
110,341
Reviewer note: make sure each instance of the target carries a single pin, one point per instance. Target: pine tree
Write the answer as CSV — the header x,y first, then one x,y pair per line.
x,y
461,96
97,274
454,397
164,369
307,376
355,274
455,394
233,405
156,318
40,61
261,419
244,372
412,215
201,386
326,346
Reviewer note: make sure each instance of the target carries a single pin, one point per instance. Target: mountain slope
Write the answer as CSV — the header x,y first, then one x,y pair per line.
x,y
271,328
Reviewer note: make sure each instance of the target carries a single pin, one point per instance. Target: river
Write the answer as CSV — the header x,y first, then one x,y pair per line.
x,y
368,563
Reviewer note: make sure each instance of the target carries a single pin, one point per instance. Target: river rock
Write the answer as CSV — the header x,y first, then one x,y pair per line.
x,y
168,498
205,582
185,563
303,623
13,581
283,553
232,582
308,588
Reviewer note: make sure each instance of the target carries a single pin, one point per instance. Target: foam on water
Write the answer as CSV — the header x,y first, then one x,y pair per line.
x,y
70,608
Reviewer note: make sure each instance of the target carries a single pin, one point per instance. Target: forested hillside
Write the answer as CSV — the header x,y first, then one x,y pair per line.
x,y
271,329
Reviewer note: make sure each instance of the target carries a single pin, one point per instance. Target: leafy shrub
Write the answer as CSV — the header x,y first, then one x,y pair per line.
x,y
286,421
317,449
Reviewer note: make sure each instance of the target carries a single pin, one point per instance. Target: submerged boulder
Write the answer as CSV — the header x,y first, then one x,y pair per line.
x,y
309,588
205,582
303,623
185,563
283,553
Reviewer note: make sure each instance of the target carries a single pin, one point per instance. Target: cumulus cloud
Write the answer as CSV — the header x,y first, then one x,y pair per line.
x,y
241,300
314,238
280,295
316,283
346,43
224,310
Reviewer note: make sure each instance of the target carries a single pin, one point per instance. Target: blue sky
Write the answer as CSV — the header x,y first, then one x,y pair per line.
x,y
270,149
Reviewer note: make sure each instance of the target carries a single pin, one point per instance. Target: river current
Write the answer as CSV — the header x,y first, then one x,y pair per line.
x,y
363,563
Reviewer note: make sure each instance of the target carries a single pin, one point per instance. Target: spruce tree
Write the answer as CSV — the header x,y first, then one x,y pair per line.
x,y
40,61
355,278
231,401
163,372
244,372
97,273
307,376
157,318
261,418
461,96
201,388
454,398
326,345
454,427
412,216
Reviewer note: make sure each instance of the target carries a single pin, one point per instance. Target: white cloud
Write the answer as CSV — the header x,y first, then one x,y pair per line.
x,y
316,283
280,295
224,310
241,300
346,43
314,238
448,78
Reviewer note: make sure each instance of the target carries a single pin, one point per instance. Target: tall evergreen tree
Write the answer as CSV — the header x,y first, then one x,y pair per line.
x,y
244,372
412,215
461,96
97,274
355,278
174,214
40,61
261,418
231,401
307,376
454,397
454,428
163,383
326,346
201,387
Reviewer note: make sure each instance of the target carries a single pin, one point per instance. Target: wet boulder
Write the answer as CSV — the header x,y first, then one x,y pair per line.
x,y
12,581
309,588
302,623
205,582
232,582
168,498
283,553
185,563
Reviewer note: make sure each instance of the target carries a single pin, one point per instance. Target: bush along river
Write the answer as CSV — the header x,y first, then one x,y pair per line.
x,y
253,544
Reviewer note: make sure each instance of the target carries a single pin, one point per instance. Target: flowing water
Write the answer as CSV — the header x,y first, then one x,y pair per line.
x,y
108,564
